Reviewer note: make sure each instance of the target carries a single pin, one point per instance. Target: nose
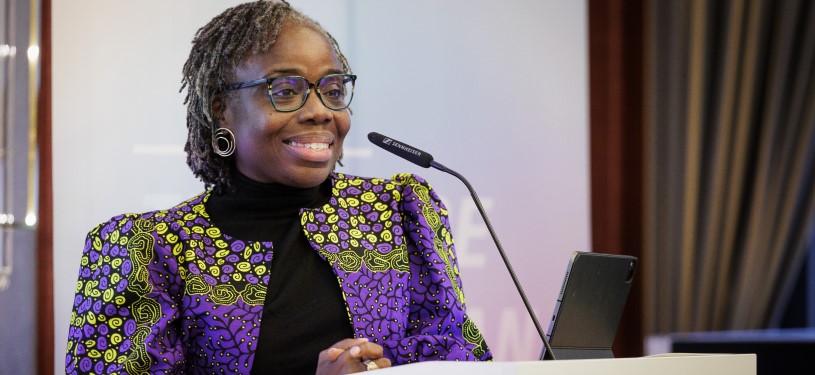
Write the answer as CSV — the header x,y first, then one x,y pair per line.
x,y
314,111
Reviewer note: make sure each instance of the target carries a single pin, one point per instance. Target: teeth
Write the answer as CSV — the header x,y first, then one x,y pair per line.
x,y
313,146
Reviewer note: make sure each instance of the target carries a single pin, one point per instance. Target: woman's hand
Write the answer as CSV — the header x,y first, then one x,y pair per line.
x,y
349,356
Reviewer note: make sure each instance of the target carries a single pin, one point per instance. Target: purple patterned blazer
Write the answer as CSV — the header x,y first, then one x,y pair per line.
x,y
167,292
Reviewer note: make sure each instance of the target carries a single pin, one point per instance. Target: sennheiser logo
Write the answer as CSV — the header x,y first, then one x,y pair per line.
x,y
405,148
387,141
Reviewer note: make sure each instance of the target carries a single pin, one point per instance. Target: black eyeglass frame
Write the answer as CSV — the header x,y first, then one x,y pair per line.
x,y
268,81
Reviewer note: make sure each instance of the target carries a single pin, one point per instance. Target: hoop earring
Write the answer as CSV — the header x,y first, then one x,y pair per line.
x,y
223,137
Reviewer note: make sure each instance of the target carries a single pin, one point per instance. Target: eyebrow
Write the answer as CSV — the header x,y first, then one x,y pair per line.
x,y
275,72
295,72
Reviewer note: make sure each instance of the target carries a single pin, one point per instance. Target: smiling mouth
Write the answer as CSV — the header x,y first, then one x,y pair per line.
x,y
312,146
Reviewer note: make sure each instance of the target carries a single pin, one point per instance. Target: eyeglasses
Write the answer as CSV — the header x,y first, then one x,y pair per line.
x,y
289,93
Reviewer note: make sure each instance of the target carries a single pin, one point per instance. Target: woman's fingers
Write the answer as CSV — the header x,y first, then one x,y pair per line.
x,y
370,356
367,350
331,354
352,355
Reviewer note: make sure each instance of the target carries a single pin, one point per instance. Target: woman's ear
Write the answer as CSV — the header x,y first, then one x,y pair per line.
x,y
219,109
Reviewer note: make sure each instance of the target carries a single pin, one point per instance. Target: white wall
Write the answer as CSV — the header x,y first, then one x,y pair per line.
x,y
494,90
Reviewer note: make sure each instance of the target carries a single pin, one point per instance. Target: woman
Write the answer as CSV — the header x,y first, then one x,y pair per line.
x,y
281,265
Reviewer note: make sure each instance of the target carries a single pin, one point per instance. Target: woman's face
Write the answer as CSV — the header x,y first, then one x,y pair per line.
x,y
287,147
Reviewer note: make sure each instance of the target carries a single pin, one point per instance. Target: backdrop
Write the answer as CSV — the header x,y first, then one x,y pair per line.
x,y
498,92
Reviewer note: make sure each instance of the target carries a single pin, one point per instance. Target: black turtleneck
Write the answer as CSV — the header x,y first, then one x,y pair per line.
x,y
304,312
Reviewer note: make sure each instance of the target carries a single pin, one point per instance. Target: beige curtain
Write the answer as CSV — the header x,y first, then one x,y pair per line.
x,y
729,161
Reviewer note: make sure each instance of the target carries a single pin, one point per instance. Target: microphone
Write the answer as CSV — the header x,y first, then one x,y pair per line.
x,y
411,154
425,160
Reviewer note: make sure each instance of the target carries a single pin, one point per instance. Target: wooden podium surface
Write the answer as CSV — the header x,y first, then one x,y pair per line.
x,y
665,364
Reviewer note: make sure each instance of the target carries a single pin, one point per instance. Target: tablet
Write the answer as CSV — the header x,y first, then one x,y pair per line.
x,y
590,304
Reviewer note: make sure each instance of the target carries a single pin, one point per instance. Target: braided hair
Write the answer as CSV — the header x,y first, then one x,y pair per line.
x,y
217,49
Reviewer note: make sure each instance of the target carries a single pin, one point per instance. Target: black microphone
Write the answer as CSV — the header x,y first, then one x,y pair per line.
x,y
425,160
411,154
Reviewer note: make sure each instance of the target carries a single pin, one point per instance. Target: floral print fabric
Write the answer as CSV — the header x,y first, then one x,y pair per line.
x,y
167,292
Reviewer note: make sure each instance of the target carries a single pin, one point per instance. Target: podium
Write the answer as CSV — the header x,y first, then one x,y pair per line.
x,y
664,364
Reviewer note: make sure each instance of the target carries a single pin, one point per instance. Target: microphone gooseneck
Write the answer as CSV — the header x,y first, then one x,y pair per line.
x,y
424,159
